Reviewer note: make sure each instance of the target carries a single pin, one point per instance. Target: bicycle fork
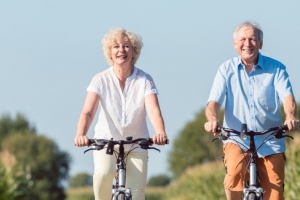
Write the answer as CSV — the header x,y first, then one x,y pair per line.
x,y
119,186
253,187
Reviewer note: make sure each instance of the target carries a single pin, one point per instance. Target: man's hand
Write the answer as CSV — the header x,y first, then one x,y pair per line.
x,y
293,124
211,127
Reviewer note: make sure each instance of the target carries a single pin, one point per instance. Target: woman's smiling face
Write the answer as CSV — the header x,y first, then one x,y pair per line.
x,y
122,51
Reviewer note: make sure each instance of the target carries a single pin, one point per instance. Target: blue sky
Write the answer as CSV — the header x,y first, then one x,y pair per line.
x,y
50,50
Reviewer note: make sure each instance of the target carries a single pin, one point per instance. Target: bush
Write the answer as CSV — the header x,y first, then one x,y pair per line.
x,y
160,180
81,180
292,170
204,181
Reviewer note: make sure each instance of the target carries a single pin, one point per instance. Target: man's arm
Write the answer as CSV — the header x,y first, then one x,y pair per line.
x,y
290,109
212,112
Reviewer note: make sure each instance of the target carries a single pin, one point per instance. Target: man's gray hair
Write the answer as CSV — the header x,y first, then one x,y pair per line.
x,y
254,25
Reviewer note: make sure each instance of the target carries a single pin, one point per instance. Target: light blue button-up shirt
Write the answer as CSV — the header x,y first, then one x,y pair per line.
x,y
253,99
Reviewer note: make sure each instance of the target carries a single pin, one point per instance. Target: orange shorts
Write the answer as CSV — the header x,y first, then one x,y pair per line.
x,y
270,170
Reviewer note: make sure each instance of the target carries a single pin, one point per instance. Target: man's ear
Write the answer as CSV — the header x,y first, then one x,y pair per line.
x,y
261,44
233,42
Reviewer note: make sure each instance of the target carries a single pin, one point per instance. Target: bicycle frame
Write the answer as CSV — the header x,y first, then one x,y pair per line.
x,y
252,191
120,179
254,185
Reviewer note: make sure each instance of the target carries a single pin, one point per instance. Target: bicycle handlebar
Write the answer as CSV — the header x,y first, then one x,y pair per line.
x,y
278,132
99,144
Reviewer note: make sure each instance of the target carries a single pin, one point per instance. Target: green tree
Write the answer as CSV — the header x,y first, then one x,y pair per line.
x,y
193,146
81,179
159,180
48,165
10,126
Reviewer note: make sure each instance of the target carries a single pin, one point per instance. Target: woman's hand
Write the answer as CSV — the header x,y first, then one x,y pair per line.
x,y
81,140
160,138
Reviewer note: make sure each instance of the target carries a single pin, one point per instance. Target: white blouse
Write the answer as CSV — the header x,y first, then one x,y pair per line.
x,y
122,113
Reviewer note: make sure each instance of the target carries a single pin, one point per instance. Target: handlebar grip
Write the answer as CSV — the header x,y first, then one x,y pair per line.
x,y
285,127
279,133
218,129
91,141
166,142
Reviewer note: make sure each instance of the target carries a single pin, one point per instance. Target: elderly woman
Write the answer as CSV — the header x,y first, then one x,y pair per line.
x,y
125,95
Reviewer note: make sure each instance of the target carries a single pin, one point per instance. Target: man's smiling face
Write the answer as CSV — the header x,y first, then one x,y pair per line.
x,y
247,44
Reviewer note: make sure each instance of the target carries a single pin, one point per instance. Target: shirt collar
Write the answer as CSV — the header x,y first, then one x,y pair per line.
x,y
132,76
260,62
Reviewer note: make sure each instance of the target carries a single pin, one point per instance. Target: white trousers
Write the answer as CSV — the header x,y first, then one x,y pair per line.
x,y
105,171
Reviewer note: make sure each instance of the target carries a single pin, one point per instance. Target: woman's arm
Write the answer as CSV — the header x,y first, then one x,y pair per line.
x,y
86,118
156,119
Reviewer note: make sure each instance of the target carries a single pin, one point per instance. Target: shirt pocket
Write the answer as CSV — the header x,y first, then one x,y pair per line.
x,y
266,96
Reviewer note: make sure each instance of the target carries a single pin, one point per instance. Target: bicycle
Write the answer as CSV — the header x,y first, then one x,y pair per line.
x,y
119,190
252,190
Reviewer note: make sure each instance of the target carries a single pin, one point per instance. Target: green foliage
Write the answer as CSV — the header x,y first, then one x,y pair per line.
x,y
160,180
193,146
81,180
47,164
200,182
292,170
10,126
15,183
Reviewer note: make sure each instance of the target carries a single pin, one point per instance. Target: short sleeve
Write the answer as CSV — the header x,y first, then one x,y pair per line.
x,y
150,86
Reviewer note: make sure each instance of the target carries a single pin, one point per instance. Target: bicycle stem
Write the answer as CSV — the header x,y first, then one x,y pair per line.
x,y
253,158
121,167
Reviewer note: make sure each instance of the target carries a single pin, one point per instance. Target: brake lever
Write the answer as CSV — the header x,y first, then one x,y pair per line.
x,y
94,148
89,150
222,136
154,148
288,136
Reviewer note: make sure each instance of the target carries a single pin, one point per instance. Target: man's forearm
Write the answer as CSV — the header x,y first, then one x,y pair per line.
x,y
212,111
290,107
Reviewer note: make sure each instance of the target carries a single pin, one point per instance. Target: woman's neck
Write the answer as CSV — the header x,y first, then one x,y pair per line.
x,y
123,72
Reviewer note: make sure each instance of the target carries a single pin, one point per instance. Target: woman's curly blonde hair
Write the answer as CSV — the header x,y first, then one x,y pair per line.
x,y
117,34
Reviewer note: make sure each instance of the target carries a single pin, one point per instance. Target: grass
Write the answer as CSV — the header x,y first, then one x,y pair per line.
x,y
80,193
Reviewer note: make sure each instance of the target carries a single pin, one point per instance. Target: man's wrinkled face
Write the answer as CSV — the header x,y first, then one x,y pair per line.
x,y
247,44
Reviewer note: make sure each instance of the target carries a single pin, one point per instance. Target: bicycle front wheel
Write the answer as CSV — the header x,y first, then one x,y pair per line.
x,y
121,196
252,196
